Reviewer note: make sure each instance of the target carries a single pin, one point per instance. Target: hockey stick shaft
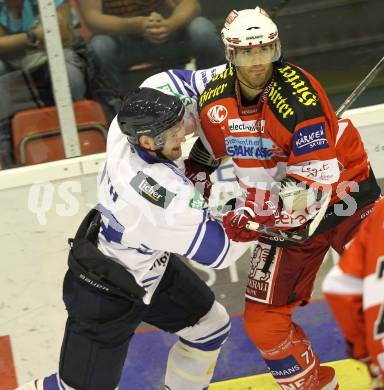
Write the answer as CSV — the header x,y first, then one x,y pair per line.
x,y
360,88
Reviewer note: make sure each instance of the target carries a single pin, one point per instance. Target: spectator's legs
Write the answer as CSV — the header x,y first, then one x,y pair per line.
x,y
76,74
5,138
205,43
3,68
106,50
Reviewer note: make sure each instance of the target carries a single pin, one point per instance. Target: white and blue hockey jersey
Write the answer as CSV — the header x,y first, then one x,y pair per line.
x,y
150,209
187,85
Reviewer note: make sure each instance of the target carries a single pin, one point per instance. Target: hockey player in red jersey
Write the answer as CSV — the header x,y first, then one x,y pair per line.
x,y
289,149
354,289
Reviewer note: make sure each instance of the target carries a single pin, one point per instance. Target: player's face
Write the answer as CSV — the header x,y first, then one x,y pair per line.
x,y
173,138
256,76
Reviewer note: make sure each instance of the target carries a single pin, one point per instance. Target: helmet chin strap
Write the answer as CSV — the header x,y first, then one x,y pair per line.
x,y
242,82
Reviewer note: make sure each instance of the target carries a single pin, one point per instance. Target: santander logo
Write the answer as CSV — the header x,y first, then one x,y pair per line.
x,y
217,114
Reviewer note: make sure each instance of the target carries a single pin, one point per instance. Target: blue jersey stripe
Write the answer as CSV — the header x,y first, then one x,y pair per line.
x,y
194,82
174,82
224,255
212,244
183,74
197,234
50,383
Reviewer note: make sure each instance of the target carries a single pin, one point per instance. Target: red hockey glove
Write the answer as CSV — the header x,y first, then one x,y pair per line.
x,y
235,223
265,206
199,176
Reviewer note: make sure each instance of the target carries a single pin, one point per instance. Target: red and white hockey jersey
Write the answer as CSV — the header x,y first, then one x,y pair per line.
x,y
291,131
354,289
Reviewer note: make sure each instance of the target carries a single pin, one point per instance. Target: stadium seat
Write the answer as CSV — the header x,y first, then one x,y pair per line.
x,y
37,138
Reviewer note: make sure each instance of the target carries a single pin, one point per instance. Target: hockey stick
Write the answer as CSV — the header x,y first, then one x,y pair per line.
x,y
302,235
360,88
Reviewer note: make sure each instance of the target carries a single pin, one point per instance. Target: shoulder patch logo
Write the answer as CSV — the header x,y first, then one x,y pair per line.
x,y
309,139
217,114
152,191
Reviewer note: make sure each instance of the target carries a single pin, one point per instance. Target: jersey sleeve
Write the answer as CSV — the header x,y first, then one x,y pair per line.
x,y
188,85
313,156
165,212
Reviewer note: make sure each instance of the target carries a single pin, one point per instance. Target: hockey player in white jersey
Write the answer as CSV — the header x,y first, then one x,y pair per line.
x,y
189,85
122,263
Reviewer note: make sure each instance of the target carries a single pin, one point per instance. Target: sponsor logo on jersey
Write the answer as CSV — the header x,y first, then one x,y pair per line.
x,y
167,89
204,77
283,368
305,94
279,101
160,261
239,126
224,75
149,189
260,283
198,202
317,170
249,147
217,114
366,213
212,92
309,139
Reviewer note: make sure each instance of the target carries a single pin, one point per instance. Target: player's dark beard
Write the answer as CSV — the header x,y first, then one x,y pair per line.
x,y
249,86
243,79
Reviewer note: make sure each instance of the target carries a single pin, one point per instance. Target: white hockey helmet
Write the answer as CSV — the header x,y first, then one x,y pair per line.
x,y
250,38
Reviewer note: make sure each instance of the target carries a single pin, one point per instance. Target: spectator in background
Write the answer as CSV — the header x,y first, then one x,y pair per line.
x,y
24,73
129,32
22,40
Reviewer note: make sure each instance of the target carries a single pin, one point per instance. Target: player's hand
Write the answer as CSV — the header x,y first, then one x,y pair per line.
x,y
265,206
235,224
200,178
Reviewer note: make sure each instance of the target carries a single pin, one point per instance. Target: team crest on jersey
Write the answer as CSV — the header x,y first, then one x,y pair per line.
x,y
152,191
217,114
